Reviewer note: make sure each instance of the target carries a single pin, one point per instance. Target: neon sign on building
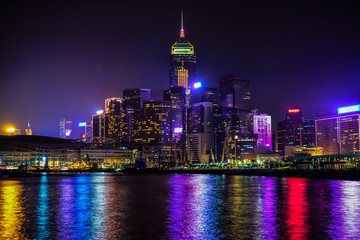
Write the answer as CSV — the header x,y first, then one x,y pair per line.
x,y
294,110
349,109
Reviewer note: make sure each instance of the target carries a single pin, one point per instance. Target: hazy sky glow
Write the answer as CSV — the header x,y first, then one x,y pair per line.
x,y
63,59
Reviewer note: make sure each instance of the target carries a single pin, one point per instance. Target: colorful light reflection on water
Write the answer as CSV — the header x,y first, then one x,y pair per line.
x,y
12,210
195,207
102,206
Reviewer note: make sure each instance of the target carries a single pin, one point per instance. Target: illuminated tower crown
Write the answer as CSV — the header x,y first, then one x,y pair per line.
x,y
28,130
182,61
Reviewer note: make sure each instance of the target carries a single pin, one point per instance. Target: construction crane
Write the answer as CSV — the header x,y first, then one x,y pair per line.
x,y
223,152
212,155
202,159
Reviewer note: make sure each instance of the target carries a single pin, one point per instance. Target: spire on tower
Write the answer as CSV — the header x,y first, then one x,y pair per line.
x,y
182,33
28,130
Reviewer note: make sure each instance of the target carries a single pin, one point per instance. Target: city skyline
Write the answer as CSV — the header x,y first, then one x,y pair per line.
x,y
85,71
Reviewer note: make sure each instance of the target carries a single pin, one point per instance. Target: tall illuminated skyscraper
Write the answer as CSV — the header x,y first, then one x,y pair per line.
x,y
28,130
182,61
133,105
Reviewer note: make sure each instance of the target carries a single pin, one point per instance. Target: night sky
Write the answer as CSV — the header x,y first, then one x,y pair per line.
x,y
63,59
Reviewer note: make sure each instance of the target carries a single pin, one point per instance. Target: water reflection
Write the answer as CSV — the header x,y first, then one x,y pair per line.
x,y
297,226
345,210
270,228
244,207
107,208
195,207
351,208
11,210
65,220
43,213
100,206
82,204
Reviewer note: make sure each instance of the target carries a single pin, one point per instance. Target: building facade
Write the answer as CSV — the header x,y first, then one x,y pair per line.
x,y
338,130
66,128
133,105
201,132
154,124
262,128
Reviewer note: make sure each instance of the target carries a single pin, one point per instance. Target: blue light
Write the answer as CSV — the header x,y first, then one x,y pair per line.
x,y
82,124
349,109
197,85
178,130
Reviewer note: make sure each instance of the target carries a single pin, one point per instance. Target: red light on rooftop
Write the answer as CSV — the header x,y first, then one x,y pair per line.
x,y
294,110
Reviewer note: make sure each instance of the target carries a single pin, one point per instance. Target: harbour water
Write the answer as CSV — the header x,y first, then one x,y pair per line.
x,y
178,206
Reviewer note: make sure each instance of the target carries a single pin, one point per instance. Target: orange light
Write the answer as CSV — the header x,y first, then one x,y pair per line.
x,y
294,110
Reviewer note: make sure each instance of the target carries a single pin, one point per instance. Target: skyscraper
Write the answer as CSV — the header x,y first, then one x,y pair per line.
x,y
235,93
289,132
65,128
338,130
177,98
133,105
109,124
115,115
154,124
262,128
308,133
182,62
28,130
204,94
201,131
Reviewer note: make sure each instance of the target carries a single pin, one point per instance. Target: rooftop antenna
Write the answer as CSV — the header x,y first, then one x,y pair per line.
x,y
182,33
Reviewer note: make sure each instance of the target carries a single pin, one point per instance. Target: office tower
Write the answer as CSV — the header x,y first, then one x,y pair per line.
x,y
182,62
240,145
327,131
108,125
338,130
177,98
65,128
154,124
133,105
115,116
349,131
225,119
88,131
98,126
308,134
204,94
235,93
113,105
201,132
289,132
82,130
261,126
28,130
